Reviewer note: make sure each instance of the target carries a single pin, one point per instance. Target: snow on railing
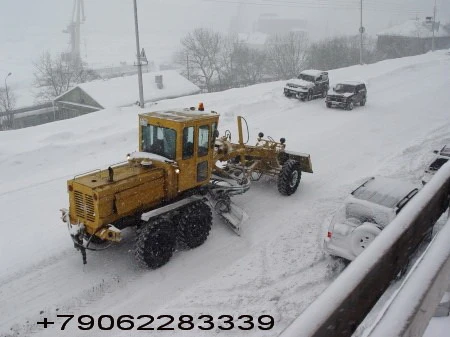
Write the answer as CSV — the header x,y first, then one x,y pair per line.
x,y
410,309
345,303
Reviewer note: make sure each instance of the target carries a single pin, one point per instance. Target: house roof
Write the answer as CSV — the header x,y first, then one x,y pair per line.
x,y
255,38
123,91
414,28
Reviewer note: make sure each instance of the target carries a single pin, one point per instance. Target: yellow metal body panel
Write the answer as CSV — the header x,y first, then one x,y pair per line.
x,y
95,201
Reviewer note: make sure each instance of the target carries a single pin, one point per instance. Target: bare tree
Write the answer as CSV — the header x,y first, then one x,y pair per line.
x,y
201,47
7,104
342,51
250,64
227,74
287,54
54,76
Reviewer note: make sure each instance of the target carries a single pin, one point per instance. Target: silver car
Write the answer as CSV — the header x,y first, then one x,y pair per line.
x,y
366,211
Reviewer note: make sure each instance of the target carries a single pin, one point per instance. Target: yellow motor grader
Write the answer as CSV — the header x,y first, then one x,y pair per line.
x,y
167,189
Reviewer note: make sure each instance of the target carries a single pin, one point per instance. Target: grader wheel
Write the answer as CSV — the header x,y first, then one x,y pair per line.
x,y
155,243
193,224
289,177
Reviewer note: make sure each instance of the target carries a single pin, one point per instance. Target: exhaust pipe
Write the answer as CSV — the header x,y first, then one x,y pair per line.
x,y
111,174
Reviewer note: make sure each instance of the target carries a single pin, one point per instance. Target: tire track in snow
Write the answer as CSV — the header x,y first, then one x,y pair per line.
x,y
47,289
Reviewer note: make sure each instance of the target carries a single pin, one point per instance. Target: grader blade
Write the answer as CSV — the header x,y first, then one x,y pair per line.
x,y
234,217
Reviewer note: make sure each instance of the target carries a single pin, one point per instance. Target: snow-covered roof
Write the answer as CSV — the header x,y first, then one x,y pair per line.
x,y
123,91
312,72
181,114
351,82
414,28
384,191
445,151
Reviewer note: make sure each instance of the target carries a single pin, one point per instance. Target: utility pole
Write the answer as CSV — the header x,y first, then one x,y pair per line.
x,y
433,26
10,116
6,92
361,31
138,51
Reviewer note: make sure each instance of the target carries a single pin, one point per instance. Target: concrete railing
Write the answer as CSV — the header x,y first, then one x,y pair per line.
x,y
346,302
408,312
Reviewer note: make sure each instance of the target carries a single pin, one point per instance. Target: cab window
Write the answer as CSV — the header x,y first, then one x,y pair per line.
x,y
188,142
159,140
203,140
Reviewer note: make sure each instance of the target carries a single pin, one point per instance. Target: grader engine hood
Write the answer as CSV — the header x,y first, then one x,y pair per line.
x,y
106,196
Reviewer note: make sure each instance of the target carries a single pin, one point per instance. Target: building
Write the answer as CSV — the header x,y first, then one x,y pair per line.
x,y
271,24
122,91
254,40
412,37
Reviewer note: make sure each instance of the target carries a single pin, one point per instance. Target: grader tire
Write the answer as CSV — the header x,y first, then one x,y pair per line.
x,y
155,243
193,224
289,177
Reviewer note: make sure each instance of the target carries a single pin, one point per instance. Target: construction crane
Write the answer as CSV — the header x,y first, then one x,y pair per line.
x,y
73,29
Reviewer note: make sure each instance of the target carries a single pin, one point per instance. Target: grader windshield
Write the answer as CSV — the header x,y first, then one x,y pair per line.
x,y
159,140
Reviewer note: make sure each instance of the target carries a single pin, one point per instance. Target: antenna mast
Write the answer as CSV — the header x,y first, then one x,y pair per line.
x,y
73,29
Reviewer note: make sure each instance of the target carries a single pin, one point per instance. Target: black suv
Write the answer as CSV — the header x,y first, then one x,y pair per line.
x,y
347,94
309,84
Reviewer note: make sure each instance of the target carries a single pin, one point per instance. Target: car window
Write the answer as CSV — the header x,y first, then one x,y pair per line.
x,y
437,164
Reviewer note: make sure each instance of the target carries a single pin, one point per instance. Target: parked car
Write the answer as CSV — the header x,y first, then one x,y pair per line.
x,y
442,156
309,84
347,94
369,209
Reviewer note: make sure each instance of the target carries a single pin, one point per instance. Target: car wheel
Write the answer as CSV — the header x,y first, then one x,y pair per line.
x,y
350,106
362,236
328,105
309,97
363,102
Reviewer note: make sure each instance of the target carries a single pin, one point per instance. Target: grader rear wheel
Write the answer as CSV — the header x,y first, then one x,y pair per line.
x,y
155,243
289,177
193,224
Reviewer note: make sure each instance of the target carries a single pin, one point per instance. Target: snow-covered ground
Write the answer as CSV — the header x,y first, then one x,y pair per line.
x,y
276,267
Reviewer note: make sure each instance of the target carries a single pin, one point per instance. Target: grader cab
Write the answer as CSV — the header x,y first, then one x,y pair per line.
x,y
166,188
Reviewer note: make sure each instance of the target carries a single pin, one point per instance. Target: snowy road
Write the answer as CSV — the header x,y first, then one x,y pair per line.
x,y
276,267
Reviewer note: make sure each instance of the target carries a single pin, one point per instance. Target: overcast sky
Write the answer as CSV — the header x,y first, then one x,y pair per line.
x,y
28,28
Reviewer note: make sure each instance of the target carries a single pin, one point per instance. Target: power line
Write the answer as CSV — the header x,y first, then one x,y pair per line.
x,y
319,5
